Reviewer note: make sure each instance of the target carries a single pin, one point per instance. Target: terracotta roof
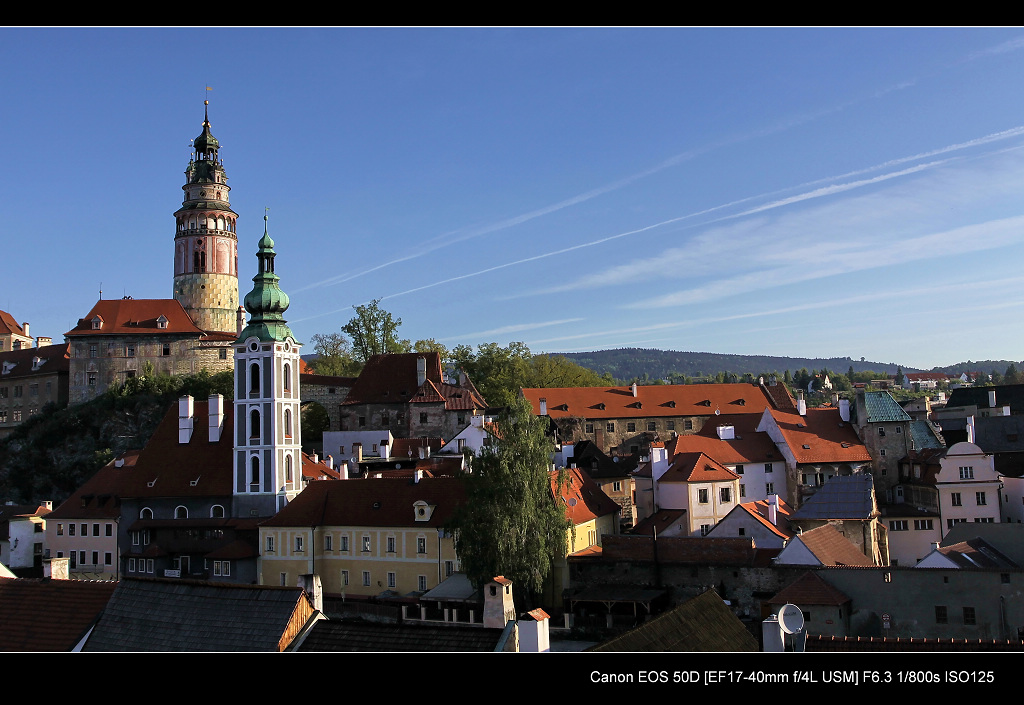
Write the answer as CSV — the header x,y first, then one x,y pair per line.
x,y
747,446
317,470
662,520
697,467
650,401
166,468
828,439
759,512
925,376
810,589
10,326
403,448
582,497
372,502
832,548
19,363
392,379
98,497
780,394
703,623
136,317
49,615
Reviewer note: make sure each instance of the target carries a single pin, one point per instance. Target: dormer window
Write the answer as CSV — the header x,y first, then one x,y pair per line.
x,y
97,323
422,511
37,362
161,322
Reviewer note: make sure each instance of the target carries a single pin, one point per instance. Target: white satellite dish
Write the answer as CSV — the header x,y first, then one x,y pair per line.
x,y
791,619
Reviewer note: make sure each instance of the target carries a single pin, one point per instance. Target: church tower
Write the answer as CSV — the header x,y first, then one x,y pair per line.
x,y
205,244
268,457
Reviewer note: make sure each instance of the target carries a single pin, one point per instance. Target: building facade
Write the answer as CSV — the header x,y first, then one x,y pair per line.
x,y
31,378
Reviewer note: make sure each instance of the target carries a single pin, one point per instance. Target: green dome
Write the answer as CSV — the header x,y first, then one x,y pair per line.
x,y
266,302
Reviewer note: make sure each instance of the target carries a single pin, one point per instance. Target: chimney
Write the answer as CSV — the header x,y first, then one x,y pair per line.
x,y
543,406
844,410
476,420
633,388
801,405
43,341
534,633
316,458
330,461
417,476
421,371
185,420
726,432
24,329
992,398
385,449
314,589
216,404
970,429
1006,410
240,320
357,452
499,609
773,509
423,453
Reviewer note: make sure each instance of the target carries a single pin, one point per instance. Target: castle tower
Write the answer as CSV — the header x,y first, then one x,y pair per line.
x,y
268,458
205,244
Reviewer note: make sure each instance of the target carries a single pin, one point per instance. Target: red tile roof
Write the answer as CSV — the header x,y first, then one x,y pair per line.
x,y
166,468
759,511
832,548
392,379
19,363
99,497
136,317
828,438
317,470
49,615
697,467
809,589
748,445
650,401
10,326
583,499
372,502
661,520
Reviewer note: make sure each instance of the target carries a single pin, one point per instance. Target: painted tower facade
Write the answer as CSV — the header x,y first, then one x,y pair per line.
x,y
268,458
205,244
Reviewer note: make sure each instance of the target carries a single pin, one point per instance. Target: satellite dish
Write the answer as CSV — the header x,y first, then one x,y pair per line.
x,y
791,619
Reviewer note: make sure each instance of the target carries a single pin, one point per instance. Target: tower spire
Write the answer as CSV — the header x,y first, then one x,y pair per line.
x,y
266,303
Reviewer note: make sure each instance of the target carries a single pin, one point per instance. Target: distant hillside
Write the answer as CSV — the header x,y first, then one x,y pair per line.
x,y
630,363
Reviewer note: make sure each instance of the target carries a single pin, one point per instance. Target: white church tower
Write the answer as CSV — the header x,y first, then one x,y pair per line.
x,y
268,456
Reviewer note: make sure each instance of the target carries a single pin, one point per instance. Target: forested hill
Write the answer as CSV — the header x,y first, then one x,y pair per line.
x,y
632,363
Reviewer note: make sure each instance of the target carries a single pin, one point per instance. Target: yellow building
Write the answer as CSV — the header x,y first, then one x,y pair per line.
x,y
364,537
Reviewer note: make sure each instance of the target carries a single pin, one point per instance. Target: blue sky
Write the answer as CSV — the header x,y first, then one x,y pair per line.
x,y
804,192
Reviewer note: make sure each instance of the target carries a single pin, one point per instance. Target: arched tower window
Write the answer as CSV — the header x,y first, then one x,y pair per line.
x,y
180,512
287,377
254,470
254,380
217,511
288,423
254,424
288,468
146,513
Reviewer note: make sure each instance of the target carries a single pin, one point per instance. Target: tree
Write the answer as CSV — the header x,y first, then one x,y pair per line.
x,y
900,379
498,373
1011,376
334,356
510,523
373,332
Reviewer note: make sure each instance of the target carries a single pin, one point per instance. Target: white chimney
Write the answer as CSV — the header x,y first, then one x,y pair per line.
x,y
476,420
216,404
1006,410
185,419
992,398
633,388
24,329
421,370
801,406
385,449
844,410
773,509
357,452
423,453
43,341
543,406
970,429
316,458
417,476
727,432
240,320
330,461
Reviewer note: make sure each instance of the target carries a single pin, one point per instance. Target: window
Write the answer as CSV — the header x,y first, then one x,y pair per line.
x,y
129,350
705,529
391,544
92,350
899,525
421,583
651,426
590,428
941,617
95,557
391,580
967,473
922,525
423,417
131,565
955,498
223,353
95,529
71,529
180,512
950,523
60,529
739,469
366,544
984,520
767,467
969,616
899,430
344,578
366,578
687,424
617,486
167,350
881,430
980,499
726,495
109,529
630,427
769,488
742,532
670,425
85,530
421,545
449,568
743,490
217,512
702,496
610,427
298,544
222,568
270,544
149,565
344,543
284,579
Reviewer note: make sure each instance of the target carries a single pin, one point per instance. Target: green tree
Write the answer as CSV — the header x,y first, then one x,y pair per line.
x,y
334,356
498,373
373,331
510,523
1011,376
431,345
900,379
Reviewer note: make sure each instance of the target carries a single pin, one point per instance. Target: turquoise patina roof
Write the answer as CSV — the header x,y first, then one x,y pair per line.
x,y
266,303
882,407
